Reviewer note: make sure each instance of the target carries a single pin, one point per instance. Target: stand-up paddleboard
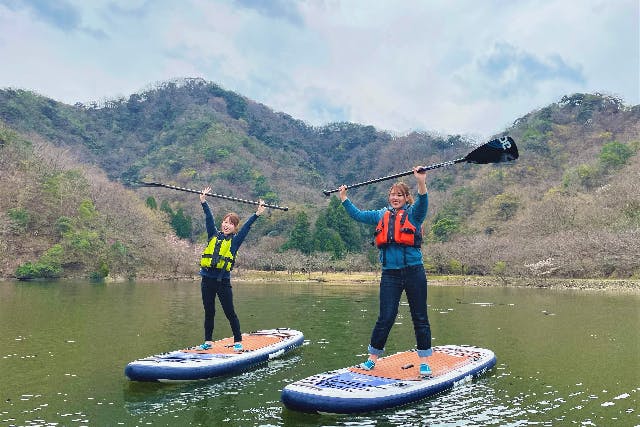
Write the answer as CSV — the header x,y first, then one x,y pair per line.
x,y
221,359
394,381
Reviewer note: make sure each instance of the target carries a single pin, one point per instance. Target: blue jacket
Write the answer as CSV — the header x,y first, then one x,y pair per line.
x,y
236,241
396,256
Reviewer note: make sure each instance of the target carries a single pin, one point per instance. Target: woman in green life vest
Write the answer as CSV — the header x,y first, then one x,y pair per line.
x,y
216,265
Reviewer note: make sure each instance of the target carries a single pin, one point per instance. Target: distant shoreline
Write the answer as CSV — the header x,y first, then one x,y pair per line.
x,y
369,278
373,278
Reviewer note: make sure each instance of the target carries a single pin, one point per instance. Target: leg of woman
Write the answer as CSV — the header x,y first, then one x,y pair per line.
x,y
416,289
390,293
226,300
208,290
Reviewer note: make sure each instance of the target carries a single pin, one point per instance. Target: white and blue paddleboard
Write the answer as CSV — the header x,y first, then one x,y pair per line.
x,y
394,381
194,364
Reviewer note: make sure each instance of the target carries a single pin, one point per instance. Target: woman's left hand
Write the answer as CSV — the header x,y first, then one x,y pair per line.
x,y
261,207
203,195
421,177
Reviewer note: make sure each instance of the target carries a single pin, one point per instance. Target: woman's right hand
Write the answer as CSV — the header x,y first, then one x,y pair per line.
x,y
343,192
203,196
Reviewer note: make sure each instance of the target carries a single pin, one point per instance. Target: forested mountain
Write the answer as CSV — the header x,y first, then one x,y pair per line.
x,y
69,205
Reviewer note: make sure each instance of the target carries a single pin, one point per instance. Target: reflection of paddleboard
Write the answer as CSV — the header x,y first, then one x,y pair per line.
x,y
193,364
394,381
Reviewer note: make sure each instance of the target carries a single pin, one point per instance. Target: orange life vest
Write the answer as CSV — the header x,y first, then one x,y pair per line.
x,y
395,227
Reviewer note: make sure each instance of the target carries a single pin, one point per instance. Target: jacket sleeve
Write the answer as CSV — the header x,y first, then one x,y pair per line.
x,y
367,217
419,209
240,236
209,222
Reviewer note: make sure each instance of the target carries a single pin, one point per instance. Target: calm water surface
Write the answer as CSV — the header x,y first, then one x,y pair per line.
x,y
564,357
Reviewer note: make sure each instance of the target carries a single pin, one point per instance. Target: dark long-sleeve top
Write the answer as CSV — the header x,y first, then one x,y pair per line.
x,y
396,256
236,241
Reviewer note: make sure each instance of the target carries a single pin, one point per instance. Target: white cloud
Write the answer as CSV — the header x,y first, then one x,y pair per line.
x,y
453,67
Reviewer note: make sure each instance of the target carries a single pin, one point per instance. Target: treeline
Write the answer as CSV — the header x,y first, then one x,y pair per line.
x,y
333,232
566,208
570,202
60,218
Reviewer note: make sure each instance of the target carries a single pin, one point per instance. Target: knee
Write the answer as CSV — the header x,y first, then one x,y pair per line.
x,y
386,321
422,325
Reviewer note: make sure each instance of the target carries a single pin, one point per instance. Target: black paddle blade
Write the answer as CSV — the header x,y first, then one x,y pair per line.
x,y
498,150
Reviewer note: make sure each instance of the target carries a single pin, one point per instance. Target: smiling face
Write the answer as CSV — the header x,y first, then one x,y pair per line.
x,y
229,223
399,195
397,199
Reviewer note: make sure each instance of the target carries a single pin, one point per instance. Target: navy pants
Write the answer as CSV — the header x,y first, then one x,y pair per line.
x,y
222,288
413,281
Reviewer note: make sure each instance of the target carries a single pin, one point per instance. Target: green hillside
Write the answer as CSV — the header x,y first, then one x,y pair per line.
x,y
569,207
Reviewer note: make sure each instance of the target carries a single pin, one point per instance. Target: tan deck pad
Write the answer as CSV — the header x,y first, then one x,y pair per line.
x,y
250,342
406,365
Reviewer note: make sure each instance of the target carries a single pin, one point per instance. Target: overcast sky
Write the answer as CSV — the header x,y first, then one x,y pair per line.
x,y
466,67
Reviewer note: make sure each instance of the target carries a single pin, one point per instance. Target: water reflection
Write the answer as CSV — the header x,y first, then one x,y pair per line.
x,y
481,403
564,357
160,398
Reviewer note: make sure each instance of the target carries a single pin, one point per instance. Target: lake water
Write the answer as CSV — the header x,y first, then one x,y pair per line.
x,y
564,357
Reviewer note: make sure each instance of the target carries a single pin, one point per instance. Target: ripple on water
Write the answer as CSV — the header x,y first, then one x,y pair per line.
x,y
483,402
158,399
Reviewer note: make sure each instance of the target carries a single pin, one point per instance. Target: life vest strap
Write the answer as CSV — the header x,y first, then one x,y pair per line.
x,y
394,227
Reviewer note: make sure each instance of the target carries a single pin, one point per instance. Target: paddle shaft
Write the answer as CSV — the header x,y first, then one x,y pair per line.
x,y
397,175
498,150
219,196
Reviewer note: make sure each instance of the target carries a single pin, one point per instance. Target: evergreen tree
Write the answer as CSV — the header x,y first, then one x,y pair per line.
x,y
326,239
151,203
182,224
336,245
300,237
320,232
339,220
166,207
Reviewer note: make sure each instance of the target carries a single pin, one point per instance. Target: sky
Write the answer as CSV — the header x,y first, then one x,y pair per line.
x,y
468,67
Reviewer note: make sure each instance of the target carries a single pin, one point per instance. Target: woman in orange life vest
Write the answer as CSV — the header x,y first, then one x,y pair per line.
x,y
398,236
216,264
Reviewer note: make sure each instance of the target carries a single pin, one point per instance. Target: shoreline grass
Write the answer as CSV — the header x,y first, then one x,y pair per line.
x,y
373,278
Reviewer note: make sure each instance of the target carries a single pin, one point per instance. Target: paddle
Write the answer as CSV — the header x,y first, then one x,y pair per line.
x,y
498,150
220,196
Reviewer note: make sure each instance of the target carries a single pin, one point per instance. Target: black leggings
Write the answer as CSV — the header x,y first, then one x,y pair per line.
x,y
210,288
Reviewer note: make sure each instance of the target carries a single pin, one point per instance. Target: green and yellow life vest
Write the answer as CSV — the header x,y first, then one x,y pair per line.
x,y
218,254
